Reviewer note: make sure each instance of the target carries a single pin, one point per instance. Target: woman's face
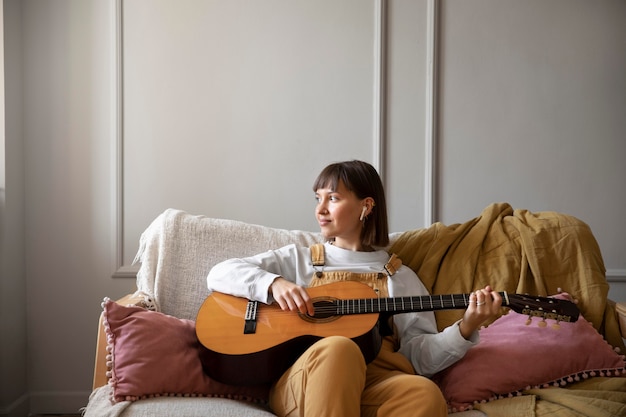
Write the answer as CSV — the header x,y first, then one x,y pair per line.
x,y
338,214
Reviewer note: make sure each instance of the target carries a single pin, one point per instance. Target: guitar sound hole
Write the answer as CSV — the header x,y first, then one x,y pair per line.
x,y
324,309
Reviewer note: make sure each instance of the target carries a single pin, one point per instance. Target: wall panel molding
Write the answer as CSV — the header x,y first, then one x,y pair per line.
x,y
430,140
380,91
379,116
117,142
616,275
379,137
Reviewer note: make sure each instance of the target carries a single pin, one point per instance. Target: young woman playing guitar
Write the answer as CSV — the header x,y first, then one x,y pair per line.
x,y
331,378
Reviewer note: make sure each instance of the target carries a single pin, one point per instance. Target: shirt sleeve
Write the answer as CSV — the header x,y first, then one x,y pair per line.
x,y
428,350
251,277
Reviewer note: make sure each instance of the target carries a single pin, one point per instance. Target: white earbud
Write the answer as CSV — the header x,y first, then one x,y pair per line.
x,y
363,213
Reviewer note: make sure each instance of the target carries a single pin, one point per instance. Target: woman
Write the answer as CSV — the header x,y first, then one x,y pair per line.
x,y
331,378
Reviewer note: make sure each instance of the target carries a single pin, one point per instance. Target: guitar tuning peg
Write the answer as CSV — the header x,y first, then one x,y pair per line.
x,y
528,321
542,323
556,326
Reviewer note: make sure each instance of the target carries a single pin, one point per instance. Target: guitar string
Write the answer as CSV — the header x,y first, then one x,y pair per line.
x,y
362,310
372,305
336,310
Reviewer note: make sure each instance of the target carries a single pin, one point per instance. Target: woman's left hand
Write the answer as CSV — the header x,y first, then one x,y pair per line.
x,y
483,305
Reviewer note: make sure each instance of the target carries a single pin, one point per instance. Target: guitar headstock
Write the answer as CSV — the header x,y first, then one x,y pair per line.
x,y
544,307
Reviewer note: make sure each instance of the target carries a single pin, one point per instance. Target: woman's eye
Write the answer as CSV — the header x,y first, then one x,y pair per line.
x,y
331,198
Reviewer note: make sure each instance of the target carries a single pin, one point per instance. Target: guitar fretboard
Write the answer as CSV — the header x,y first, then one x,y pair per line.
x,y
405,304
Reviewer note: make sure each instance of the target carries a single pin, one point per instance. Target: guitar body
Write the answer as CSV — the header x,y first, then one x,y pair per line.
x,y
238,358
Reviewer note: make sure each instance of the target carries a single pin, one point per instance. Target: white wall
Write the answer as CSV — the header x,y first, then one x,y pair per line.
x,y
530,110
267,111
220,96
65,133
533,110
13,323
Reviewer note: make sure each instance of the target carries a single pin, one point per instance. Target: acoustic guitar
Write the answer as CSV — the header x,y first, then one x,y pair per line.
x,y
249,343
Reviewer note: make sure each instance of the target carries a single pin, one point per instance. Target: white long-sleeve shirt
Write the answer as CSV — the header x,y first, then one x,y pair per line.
x,y
428,350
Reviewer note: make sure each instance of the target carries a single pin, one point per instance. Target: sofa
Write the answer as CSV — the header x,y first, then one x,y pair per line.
x,y
147,355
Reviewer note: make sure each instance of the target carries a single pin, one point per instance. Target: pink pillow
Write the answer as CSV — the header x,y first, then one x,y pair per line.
x,y
153,354
513,356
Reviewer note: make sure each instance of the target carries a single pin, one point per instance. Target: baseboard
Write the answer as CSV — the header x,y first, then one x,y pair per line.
x,y
19,408
58,402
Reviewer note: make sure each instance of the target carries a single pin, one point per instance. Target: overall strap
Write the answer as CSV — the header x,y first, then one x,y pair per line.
x,y
393,264
317,254
317,259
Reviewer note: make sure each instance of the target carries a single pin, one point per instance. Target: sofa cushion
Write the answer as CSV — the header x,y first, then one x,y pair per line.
x,y
513,356
153,354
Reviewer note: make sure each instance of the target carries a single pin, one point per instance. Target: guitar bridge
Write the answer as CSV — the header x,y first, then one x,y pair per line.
x,y
251,312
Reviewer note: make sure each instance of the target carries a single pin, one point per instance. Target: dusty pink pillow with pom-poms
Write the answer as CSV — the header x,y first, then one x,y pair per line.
x,y
513,356
153,354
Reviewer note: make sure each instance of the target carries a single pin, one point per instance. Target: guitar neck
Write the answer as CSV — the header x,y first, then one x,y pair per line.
x,y
397,305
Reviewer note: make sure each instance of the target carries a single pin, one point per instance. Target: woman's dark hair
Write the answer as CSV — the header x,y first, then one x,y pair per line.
x,y
362,179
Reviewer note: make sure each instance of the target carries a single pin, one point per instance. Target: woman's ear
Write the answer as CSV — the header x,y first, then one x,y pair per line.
x,y
363,212
368,205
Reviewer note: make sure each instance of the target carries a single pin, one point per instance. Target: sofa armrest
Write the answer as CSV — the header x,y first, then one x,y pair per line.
x,y
100,366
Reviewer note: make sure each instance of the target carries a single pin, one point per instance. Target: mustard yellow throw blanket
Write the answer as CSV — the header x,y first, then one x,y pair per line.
x,y
526,253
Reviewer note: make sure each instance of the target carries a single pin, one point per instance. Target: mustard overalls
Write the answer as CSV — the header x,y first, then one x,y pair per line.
x,y
331,379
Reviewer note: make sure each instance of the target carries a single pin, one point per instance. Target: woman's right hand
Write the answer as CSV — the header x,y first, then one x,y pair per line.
x,y
292,297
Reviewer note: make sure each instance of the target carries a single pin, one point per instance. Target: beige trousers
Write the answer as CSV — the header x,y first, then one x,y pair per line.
x,y
331,379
